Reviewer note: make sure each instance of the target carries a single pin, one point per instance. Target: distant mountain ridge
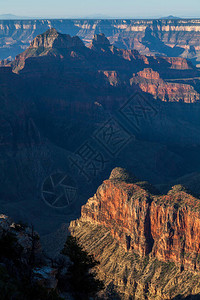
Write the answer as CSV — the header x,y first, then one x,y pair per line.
x,y
167,37
12,17
171,18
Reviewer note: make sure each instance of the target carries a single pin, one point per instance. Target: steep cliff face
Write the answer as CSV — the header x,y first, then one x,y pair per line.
x,y
176,229
166,37
112,207
150,82
168,226
50,43
53,52
178,63
164,228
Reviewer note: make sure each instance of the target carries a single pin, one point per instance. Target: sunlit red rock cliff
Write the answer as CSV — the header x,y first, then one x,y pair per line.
x,y
164,228
150,82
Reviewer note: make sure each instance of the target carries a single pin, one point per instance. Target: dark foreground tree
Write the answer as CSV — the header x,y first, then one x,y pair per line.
x,y
82,279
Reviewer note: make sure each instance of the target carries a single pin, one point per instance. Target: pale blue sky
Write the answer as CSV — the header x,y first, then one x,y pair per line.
x,y
113,8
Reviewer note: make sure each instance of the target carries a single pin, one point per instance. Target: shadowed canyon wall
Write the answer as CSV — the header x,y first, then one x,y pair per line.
x,y
164,37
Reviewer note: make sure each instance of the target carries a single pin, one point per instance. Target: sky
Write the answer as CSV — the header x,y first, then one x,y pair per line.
x,y
109,8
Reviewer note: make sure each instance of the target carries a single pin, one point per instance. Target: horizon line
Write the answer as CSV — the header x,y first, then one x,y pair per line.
x,y
20,18
10,16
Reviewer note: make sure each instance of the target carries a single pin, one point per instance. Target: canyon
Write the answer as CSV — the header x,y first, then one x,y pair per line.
x,y
62,98
161,37
76,101
147,243
102,58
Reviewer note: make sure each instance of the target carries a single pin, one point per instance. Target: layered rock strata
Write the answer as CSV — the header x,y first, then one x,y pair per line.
x,y
135,226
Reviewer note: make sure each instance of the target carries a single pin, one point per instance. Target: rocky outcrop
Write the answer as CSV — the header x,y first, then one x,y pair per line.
x,y
175,228
128,276
4,62
24,237
50,43
24,266
52,39
167,37
143,223
129,227
100,41
178,63
50,49
112,76
150,82
168,226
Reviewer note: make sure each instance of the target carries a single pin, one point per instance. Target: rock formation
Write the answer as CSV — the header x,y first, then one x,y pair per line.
x,y
63,91
100,41
23,234
169,37
50,49
150,82
50,43
25,271
52,39
130,215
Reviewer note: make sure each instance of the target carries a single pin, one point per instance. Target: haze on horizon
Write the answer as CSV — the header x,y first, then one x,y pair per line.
x,y
103,8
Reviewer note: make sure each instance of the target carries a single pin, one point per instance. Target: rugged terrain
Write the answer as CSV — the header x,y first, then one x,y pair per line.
x,y
25,272
164,37
147,243
105,62
70,113
64,97
150,82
